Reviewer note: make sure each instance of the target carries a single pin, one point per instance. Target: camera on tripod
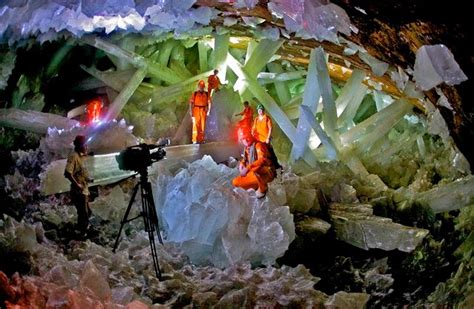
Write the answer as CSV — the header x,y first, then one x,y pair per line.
x,y
139,157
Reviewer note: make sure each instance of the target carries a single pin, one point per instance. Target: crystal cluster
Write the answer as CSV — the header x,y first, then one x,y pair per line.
x,y
216,224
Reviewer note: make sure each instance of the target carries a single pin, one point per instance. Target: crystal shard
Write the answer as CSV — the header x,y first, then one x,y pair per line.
x,y
435,64
93,280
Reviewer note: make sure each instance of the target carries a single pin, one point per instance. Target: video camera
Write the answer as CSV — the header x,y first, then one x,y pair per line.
x,y
137,158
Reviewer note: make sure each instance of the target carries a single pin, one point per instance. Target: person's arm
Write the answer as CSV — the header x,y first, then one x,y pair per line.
x,y
191,102
243,164
68,173
261,158
270,128
72,180
253,127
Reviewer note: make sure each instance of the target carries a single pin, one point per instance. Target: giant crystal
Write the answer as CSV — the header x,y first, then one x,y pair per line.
x,y
444,197
104,168
356,225
217,224
33,121
311,100
435,64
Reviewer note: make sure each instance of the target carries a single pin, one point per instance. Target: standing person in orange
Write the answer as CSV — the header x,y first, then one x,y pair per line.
x,y
200,108
213,82
262,126
245,125
256,168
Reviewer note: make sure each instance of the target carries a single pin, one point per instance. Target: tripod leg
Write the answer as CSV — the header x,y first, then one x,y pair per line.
x,y
150,218
125,217
152,213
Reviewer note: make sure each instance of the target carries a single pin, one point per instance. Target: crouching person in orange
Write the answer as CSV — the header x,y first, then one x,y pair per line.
x,y
200,108
256,168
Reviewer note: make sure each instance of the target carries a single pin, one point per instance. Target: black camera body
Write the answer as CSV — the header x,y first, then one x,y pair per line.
x,y
137,158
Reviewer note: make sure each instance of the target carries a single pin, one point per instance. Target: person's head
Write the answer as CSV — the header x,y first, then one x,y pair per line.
x,y
80,144
201,85
216,71
246,103
260,109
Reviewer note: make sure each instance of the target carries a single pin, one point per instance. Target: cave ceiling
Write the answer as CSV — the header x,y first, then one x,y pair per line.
x,y
391,31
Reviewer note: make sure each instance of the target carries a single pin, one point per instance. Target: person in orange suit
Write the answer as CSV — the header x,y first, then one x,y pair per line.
x,y
200,108
213,83
245,124
262,126
256,168
94,109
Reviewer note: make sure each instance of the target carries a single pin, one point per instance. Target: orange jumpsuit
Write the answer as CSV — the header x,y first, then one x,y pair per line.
x,y
213,83
94,109
200,104
262,128
261,170
245,125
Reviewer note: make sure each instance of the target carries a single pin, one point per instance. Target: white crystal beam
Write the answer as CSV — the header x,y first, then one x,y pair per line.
x,y
310,101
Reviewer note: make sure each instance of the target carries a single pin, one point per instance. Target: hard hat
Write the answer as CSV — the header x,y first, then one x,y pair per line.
x,y
202,83
80,140
260,106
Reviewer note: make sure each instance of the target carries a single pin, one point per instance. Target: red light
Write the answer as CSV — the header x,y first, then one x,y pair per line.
x,y
93,110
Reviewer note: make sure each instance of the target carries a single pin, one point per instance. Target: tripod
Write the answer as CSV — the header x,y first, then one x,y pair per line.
x,y
150,217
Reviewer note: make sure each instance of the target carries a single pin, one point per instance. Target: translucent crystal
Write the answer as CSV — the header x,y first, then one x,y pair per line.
x,y
400,78
378,67
330,147
93,280
446,197
25,238
34,121
281,88
329,106
240,229
315,19
271,33
435,64
443,101
349,100
312,225
377,125
122,99
311,100
355,224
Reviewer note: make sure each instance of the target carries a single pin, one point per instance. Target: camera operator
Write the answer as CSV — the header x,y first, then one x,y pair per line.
x,y
77,174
